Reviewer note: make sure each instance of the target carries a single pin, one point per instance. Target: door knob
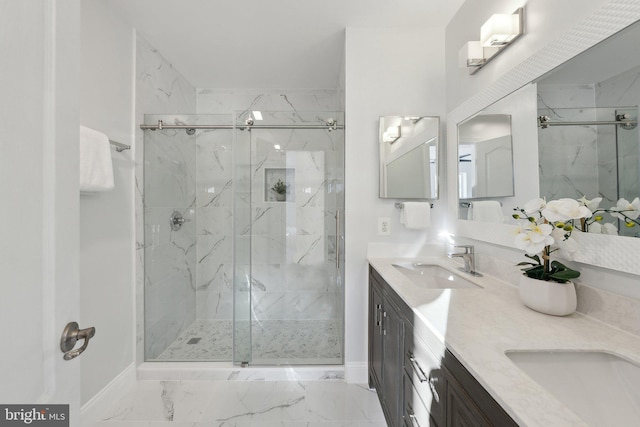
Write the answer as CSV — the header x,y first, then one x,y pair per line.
x,y
71,335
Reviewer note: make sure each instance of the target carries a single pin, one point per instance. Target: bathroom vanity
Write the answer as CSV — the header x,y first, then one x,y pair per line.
x,y
416,387
457,350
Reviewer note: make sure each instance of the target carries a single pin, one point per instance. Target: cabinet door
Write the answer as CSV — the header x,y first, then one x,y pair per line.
x,y
375,336
393,358
467,402
461,409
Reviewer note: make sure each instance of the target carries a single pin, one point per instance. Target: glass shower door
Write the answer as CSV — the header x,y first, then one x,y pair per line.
x,y
289,293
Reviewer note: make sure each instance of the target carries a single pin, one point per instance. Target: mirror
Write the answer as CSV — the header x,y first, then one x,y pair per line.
x,y
507,163
588,140
485,159
612,61
409,157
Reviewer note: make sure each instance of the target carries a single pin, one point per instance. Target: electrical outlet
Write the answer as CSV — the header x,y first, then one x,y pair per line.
x,y
384,226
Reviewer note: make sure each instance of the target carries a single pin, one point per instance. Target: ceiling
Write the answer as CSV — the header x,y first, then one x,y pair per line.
x,y
249,44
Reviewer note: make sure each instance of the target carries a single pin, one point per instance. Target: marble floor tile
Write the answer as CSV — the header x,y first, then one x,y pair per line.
x,y
246,404
273,342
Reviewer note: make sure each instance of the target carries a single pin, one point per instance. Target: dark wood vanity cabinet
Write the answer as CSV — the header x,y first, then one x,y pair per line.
x,y
386,334
417,388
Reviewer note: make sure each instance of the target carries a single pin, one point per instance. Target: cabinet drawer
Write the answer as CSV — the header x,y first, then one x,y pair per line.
x,y
415,413
426,374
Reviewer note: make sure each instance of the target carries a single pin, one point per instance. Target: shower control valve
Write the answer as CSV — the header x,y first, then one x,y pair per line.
x,y
176,220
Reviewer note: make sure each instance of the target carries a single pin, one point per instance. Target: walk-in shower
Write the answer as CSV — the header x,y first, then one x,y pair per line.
x,y
243,246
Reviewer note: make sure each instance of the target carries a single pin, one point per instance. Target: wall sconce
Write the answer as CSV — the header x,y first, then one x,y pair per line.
x,y
392,134
496,34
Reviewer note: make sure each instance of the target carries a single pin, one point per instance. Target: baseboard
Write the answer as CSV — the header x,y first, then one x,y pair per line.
x,y
356,372
96,408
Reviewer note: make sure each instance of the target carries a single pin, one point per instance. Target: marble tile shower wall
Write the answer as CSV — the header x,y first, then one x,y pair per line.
x,y
624,90
579,159
165,286
569,155
293,241
170,255
214,204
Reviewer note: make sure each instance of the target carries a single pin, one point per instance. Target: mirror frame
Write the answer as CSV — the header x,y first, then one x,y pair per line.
x,y
615,253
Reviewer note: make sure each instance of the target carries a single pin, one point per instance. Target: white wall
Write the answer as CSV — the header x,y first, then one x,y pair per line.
x,y
388,72
107,238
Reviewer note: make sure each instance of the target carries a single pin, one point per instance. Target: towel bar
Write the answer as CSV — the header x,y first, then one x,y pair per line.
x,y
401,205
120,147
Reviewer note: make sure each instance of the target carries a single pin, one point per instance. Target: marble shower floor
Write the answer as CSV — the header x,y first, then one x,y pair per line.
x,y
274,342
329,403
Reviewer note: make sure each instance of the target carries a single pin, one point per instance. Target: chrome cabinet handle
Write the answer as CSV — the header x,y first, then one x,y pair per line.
x,y
416,367
71,335
384,315
432,386
422,377
379,318
413,419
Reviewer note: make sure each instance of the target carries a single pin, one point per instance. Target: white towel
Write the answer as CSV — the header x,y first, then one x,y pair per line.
x,y
416,215
487,211
96,168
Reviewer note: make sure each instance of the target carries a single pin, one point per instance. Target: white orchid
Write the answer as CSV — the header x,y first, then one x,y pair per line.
x,y
534,238
630,209
564,210
607,228
592,204
567,246
544,224
533,206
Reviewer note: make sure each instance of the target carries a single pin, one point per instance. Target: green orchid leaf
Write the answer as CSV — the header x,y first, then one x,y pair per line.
x,y
526,263
536,272
536,258
565,275
559,266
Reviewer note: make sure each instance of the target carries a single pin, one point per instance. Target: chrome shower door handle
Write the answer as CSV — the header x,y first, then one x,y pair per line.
x,y
338,230
71,335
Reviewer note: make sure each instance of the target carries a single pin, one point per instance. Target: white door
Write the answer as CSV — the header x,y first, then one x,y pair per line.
x,y
494,165
39,44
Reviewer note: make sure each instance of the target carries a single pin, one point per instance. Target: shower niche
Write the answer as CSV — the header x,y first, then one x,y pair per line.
x,y
279,184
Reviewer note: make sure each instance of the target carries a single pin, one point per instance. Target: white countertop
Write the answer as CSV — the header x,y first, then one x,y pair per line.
x,y
479,325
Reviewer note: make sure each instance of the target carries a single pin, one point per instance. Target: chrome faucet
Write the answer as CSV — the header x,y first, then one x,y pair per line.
x,y
469,259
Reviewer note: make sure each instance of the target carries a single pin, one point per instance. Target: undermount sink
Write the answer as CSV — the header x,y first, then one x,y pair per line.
x,y
433,276
601,388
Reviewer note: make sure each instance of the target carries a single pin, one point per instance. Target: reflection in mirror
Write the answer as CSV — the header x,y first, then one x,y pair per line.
x,y
485,158
515,168
588,141
408,157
